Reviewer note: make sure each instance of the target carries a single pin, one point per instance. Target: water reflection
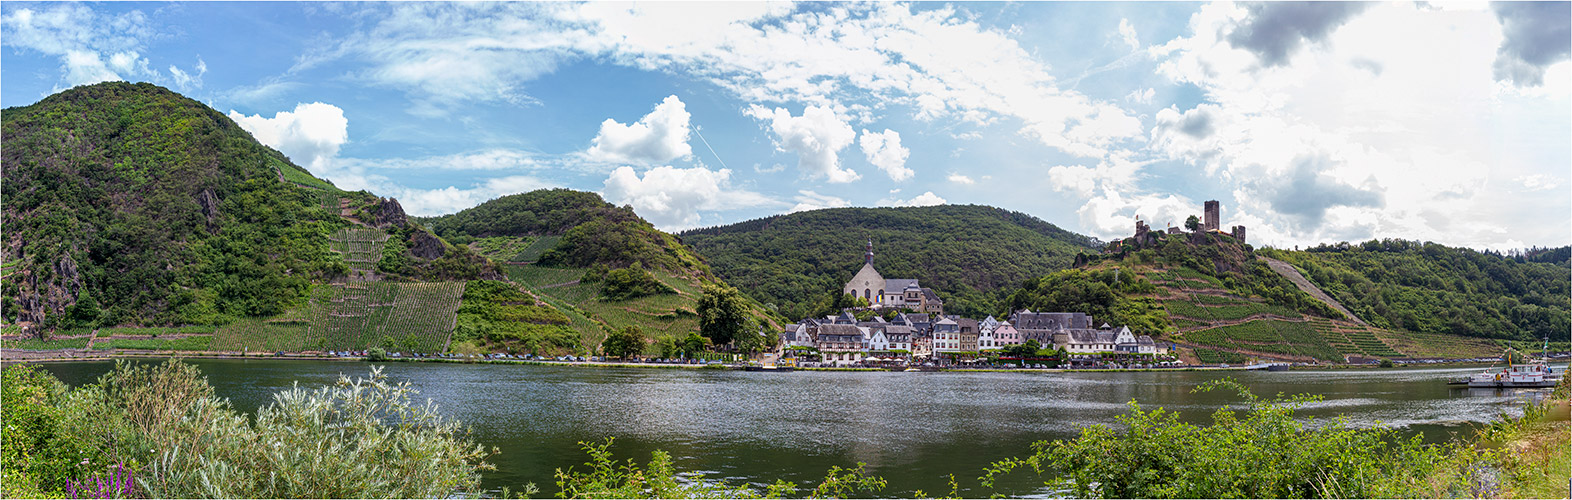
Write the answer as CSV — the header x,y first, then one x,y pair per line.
x,y
912,428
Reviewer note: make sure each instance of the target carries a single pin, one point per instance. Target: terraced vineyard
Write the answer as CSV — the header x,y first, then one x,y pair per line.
x,y
1211,356
533,252
362,247
357,315
157,330
257,334
46,345
1269,336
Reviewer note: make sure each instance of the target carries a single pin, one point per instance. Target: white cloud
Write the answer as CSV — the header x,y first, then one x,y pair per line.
x,y
310,135
926,199
884,150
816,137
487,159
186,80
809,200
671,198
938,61
1368,135
660,136
1139,96
960,179
92,47
429,202
1127,33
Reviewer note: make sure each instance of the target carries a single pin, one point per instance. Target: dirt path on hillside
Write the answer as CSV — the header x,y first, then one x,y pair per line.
x,y
1288,271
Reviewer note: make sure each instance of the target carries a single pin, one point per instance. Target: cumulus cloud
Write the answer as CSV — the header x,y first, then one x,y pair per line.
x,y
671,198
92,47
310,135
660,136
1141,96
1535,35
809,200
884,150
960,179
447,200
1309,190
926,199
1274,31
816,137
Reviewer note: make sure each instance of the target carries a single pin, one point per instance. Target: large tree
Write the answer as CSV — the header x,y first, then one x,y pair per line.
x,y
723,316
1192,223
625,342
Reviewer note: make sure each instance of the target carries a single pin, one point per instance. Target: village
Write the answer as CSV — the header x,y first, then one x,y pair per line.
x,y
920,334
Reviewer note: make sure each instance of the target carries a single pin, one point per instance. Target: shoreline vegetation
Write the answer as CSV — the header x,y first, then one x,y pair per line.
x,y
159,431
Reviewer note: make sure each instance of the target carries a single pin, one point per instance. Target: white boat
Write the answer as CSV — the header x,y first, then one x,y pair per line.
x,y
1530,374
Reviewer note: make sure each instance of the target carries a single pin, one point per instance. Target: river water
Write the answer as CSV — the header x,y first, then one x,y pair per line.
x,y
913,429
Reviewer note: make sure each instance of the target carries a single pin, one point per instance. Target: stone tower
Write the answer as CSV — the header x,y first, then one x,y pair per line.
x,y
1210,220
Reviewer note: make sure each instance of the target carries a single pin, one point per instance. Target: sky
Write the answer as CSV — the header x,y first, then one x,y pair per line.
x,y
1310,122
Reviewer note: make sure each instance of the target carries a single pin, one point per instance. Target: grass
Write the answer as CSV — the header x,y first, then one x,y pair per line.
x,y
45,345
193,343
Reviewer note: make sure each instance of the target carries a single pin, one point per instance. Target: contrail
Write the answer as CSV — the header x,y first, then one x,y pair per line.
x,y
696,130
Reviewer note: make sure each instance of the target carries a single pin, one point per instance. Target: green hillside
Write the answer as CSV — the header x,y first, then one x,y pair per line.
x,y
1431,288
601,267
1213,296
588,230
969,254
130,205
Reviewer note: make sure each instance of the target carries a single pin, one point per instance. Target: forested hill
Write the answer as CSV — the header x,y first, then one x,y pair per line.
x,y
582,230
1426,287
129,204
967,253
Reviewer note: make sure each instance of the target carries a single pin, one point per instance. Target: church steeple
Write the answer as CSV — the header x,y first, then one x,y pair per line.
x,y
868,257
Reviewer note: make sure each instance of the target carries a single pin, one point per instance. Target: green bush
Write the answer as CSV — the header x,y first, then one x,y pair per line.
x,y
608,478
629,283
1263,453
359,438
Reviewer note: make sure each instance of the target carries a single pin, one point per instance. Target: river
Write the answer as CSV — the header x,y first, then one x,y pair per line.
x,y
911,428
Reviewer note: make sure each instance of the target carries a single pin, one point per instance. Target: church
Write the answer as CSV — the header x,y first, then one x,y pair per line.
x,y
895,293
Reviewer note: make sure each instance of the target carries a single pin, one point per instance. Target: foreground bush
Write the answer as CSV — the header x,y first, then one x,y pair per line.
x,y
1264,453
607,478
356,439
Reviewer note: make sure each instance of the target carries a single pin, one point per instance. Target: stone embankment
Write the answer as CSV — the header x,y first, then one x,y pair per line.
x,y
1288,271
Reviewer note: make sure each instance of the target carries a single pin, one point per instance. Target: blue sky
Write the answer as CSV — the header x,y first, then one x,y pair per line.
x,y
1311,123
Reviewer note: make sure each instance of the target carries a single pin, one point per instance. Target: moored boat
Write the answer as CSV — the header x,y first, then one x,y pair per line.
x,y
1530,374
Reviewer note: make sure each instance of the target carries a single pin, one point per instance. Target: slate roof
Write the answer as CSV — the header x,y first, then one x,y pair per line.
x,y
928,295
898,285
946,321
915,318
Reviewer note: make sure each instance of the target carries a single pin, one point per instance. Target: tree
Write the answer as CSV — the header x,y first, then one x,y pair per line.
x,y
723,316
1192,223
625,342
693,343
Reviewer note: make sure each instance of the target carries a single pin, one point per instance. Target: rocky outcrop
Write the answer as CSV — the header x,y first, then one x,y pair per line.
x,y
43,297
209,202
388,213
426,246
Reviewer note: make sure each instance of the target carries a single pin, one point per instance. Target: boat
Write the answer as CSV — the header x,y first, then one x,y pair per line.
x,y
1534,373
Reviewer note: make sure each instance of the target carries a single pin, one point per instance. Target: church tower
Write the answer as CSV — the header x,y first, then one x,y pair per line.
x,y
867,258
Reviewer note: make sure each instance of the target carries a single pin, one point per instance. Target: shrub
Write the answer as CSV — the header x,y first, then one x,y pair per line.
x,y
1263,453
631,282
607,478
